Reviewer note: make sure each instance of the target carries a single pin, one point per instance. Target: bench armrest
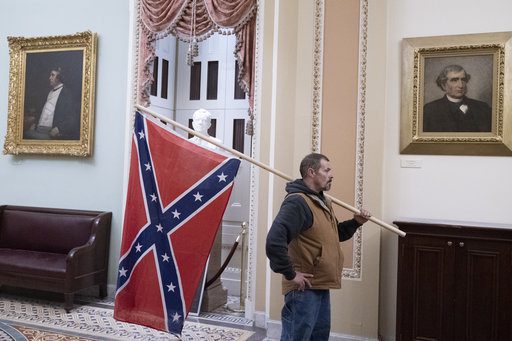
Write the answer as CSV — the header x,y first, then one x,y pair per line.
x,y
93,255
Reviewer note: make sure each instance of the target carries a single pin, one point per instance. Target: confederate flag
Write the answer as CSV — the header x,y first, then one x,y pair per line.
x,y
177,194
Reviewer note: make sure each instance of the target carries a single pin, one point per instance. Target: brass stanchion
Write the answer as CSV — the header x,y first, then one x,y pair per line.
x,y
242,270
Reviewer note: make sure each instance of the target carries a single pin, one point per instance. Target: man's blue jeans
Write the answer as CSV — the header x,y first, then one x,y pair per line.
x,y
306,315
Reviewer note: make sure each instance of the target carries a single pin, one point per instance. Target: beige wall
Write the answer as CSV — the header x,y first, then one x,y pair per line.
x,y
355,307
340,102
285,120
275,140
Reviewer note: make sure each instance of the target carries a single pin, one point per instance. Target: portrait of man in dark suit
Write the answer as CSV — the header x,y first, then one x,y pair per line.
x,y
455,111
53,96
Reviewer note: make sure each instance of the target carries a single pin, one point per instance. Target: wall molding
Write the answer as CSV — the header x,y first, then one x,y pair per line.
x,y
355,271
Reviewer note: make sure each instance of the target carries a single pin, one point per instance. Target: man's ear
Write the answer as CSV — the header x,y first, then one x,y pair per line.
x,y
311,172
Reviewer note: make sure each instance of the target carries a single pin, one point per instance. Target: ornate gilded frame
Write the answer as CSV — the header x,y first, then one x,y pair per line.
x,y
488,56
31,60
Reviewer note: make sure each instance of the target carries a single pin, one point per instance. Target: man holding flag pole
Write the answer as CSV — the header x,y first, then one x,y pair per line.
x,y
303,245
177,195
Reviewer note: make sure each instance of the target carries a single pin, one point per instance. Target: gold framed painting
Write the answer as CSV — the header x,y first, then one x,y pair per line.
x,y
456,95
51,95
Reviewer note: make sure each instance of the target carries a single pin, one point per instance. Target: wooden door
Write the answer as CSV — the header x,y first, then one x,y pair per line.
x,y
483,280
425,286
454,282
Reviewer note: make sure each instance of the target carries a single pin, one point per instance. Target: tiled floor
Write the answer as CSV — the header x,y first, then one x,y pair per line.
x,y
226,317
259,333
231,314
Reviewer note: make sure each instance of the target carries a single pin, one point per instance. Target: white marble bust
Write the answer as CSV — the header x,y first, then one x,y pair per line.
x,y
201,122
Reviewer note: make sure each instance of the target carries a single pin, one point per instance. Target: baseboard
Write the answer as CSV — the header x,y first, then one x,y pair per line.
x,y
273,330
346,337
260,319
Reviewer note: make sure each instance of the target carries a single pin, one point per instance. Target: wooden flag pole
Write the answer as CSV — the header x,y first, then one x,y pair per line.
x,y
262,165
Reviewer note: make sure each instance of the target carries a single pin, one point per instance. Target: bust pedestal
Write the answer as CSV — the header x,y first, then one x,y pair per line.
x,y
215,295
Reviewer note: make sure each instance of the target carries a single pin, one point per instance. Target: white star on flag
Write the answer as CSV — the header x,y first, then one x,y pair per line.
x,y
165,257
222,177
122,272
159,228
138,247
176,317
153,197
148,166
197,197
141,135
176,214
171,287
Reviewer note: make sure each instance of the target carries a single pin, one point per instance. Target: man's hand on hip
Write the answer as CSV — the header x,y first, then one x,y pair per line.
x,y
301,279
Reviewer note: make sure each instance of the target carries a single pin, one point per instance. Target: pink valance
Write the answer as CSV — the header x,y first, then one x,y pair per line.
x,y
159,18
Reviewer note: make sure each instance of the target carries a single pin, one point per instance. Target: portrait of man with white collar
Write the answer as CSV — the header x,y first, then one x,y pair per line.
x,y
455,111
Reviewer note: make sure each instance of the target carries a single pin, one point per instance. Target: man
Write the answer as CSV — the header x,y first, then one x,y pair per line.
x,y
59,118
455,112
303,246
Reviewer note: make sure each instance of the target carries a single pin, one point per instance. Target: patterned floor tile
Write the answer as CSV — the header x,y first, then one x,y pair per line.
x,y
96,322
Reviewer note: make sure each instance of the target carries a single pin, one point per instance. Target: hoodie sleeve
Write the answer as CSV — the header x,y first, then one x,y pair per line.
x,y
293,217
347,228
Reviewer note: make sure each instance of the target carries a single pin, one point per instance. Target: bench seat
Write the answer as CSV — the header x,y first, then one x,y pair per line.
x,y
54,249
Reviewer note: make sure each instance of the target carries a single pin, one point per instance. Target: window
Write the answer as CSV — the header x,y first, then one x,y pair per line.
x,y
195,81
165,78
154,83
239,92
212,80
238,134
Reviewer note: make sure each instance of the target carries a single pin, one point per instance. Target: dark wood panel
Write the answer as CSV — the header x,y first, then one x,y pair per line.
x,y
428,292
454,282
423,284
484,289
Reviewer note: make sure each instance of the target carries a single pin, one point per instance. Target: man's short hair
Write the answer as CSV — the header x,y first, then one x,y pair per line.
x,y
443,76
311,161
60,75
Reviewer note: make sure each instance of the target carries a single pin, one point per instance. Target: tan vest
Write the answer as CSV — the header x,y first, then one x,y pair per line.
x,y
317,250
